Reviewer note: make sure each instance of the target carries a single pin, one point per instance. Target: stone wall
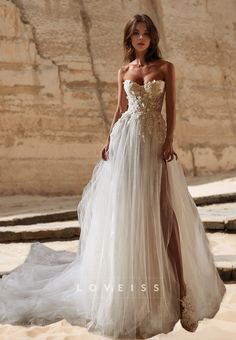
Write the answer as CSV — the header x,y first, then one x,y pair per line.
x,y
200,38
58,86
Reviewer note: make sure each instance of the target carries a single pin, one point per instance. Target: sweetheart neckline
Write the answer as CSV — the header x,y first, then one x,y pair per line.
x,y
150,81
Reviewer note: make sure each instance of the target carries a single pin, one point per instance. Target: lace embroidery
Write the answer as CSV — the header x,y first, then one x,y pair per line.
x,y
145,104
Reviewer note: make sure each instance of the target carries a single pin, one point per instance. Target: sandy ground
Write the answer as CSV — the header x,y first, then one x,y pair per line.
x,y
216,184
13,254
221,327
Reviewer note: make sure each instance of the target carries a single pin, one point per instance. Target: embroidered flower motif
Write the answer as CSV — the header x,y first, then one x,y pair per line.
x,y
145,104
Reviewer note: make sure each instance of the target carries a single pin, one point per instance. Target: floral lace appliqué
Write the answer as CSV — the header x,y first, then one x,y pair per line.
x,y
145,105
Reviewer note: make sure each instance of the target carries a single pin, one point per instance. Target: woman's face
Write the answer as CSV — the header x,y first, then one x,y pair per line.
x,y
140,39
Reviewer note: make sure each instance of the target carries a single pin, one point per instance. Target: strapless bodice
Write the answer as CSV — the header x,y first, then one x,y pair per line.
x,y
147,97
145,105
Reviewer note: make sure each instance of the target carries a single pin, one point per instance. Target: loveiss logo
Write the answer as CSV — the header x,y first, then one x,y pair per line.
x,y
121,287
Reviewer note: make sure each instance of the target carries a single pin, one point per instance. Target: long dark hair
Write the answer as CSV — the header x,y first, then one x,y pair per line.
x,y
153,52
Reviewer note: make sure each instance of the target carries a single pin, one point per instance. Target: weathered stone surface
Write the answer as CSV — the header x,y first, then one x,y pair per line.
x,y
39,218
58,86
42,235
232,225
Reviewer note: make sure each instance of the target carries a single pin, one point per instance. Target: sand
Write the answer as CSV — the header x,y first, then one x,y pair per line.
x,y
221,327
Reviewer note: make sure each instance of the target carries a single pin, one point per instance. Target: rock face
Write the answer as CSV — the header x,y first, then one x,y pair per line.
x,y
58,86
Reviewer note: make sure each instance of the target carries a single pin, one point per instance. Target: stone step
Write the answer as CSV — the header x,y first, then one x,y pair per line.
x,y
42,235
62,225
212,184
26,210
222,246
65,225
226,226
58,233
219,216
210,223
53,231
28,219
226,266
215,199
70,230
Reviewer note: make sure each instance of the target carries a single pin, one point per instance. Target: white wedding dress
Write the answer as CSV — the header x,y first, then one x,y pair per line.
x,y
123,279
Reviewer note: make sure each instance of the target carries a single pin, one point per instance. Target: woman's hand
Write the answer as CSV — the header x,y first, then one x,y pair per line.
x,y
105,151
168,151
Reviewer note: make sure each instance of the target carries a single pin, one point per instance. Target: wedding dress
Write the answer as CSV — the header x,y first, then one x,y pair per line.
x,y
124,278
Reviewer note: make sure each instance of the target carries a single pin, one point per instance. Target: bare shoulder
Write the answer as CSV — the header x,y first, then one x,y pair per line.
x,y
123,69
170,65
170,70
164,63
167,68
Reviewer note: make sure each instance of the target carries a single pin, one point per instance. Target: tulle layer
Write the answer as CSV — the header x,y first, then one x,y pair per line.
x,y
136,217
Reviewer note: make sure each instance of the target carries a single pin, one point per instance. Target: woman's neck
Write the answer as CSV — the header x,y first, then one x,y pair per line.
x,y
140,59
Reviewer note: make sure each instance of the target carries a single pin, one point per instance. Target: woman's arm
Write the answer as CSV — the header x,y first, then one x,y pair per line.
x,y
122,102
170,101
168,152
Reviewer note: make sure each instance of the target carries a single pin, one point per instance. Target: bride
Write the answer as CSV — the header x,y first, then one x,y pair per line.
x,y
143,260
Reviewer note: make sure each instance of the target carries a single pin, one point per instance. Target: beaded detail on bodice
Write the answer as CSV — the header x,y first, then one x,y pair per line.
x,y
145,104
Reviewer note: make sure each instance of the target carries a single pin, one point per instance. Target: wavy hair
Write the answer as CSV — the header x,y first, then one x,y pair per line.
x,y
153,52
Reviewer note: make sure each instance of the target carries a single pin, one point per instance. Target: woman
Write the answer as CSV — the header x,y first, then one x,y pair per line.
x,y
143,260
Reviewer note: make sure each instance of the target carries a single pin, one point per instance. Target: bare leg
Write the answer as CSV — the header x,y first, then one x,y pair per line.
x,y
174,252
171,231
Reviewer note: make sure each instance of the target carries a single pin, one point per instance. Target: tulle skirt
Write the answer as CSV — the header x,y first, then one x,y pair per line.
x,y
124,278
